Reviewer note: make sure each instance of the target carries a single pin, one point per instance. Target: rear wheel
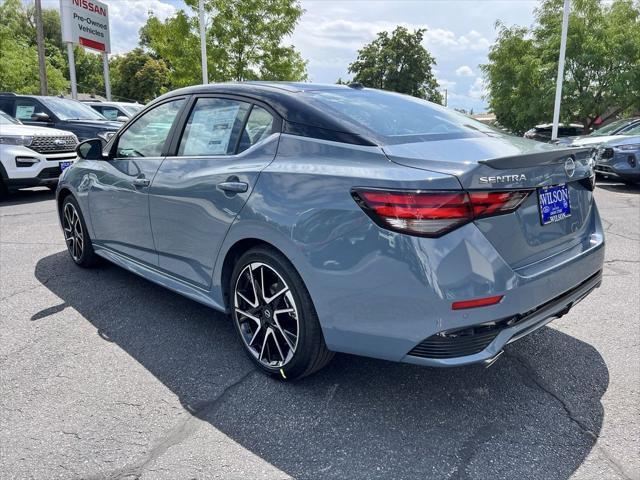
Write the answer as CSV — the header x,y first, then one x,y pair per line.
x,y
274,316
75,234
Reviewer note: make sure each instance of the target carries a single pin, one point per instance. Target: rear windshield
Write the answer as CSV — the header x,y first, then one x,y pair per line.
x,y
397,118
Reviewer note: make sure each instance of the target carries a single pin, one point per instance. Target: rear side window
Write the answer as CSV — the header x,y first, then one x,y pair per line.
x,y
397,118
213,127
259,126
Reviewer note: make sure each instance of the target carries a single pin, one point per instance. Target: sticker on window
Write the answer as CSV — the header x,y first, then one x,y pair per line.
x,y
24,112
210,130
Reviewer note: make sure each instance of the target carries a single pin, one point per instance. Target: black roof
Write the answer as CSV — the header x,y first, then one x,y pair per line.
x,y
301,117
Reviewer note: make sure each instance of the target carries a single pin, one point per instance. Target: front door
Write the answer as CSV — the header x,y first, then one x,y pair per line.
x,y
197,193
119,192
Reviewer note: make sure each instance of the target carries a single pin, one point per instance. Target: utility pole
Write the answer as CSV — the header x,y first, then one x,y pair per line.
x,y
44,89
563,48
203,43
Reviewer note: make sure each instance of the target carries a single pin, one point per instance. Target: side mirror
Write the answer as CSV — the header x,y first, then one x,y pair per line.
x,y
122,118
91,149
40,117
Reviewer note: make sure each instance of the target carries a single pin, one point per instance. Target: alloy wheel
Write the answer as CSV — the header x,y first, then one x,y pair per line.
x,y
266,314
73,234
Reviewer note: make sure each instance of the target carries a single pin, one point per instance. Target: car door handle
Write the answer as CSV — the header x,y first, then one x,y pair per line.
x,y
141,182
233,187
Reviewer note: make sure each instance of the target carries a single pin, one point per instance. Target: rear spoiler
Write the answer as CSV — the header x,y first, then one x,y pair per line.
x,y
549,157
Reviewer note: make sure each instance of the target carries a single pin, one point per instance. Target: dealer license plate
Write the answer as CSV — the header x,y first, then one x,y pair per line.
x,y
554,203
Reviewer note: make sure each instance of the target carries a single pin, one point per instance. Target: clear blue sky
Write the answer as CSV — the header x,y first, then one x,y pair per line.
x,y
329,34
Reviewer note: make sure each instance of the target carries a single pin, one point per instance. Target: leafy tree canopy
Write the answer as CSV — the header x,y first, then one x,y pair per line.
x,y
19,70
139,76
398,62
602,69
244,41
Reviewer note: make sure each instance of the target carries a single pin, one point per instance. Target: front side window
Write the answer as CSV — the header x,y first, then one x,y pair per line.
x,y
110,113
213,127
147,135
25,108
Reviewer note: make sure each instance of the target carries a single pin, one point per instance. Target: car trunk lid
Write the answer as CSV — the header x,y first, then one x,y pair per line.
x,y
502,162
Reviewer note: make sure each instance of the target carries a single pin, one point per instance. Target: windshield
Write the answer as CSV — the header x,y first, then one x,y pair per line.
x,y
66,109
132,109
608,129
398,118
7,119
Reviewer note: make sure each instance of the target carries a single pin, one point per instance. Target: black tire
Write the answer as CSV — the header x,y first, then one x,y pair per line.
x,y
86,258
4,191
310,353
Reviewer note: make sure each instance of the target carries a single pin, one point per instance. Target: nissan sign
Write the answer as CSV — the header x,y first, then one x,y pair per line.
x,y
86,23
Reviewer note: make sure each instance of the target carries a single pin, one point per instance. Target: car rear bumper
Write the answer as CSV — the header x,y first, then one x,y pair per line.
x,y
523,325
400,290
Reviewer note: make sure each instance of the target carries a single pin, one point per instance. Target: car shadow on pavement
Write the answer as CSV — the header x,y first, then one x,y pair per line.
x,y
26,196
536,413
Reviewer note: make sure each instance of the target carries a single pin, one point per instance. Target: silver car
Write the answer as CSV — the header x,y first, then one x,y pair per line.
x,y
330,218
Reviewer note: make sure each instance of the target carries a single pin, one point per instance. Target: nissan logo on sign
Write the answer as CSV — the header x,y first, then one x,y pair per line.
x,y
86,23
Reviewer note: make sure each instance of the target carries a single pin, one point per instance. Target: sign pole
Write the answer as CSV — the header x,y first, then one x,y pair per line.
x,y
203,44
72,71
107,82
563,48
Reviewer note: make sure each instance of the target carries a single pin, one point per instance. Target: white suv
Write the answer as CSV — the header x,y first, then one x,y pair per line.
x,y
32,156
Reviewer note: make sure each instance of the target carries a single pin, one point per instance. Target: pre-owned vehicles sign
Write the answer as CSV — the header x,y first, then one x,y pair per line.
x,y
86,22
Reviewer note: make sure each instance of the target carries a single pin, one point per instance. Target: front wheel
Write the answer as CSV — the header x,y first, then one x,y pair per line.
x,y
274,316
75,234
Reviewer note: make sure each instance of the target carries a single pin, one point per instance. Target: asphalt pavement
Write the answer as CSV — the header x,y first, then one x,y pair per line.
x,y
105,375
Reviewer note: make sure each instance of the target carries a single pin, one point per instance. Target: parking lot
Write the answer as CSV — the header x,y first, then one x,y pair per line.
x,y
106,375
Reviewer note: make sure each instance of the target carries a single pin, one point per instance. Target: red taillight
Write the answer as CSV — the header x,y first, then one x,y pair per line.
x,y
433,213
478,302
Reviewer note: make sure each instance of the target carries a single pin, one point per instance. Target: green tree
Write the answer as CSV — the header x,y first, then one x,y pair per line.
x,y
398,62
138,76
244,42
19,71
602,70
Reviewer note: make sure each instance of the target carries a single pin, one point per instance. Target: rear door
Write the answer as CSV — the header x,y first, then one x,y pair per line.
x,y
118,193
198,191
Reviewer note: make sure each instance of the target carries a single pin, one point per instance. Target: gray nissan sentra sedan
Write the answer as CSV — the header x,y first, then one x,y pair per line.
x,y
330,218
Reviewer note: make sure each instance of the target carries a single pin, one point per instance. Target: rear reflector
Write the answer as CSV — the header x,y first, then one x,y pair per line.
x,y
433,213
478,302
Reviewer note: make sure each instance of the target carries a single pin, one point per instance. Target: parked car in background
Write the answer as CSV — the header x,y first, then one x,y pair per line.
x,y
542,133
619,158
32,156
328,218
604,134
117,111
61,113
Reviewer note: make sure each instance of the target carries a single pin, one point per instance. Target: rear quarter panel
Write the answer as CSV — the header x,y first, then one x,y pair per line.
x,y
302,205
